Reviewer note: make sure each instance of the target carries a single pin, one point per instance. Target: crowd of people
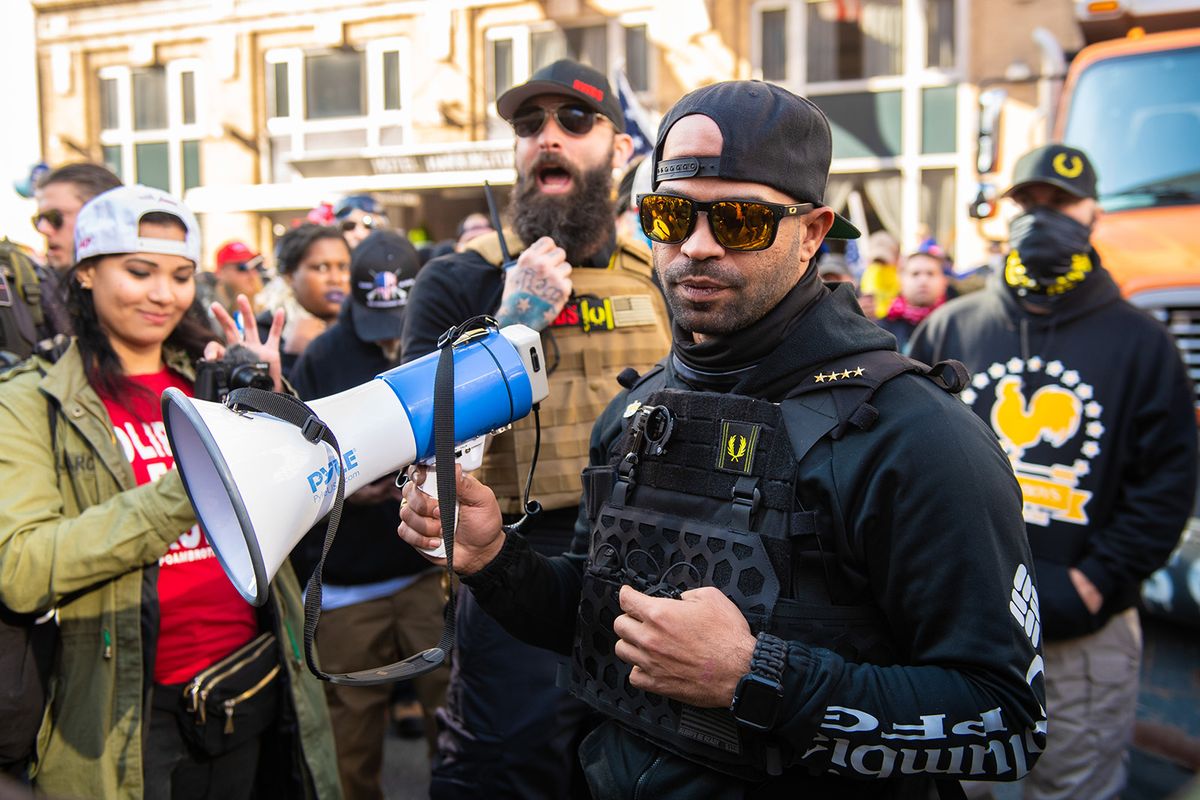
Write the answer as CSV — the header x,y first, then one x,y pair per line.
x,y
803,530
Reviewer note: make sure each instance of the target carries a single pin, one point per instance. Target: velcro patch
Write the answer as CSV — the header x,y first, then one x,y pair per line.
x,y
593,313
738,443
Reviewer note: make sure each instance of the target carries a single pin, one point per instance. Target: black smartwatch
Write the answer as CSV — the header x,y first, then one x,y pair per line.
x,y
759,693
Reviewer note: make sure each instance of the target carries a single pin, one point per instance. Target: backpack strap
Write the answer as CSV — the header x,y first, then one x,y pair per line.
x,y
28,285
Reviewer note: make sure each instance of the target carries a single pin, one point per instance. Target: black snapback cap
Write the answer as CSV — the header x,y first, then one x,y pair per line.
x,y
568,78
770,136
382,270
1068,168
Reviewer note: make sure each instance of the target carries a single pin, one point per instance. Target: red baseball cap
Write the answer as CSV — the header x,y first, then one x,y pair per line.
x,y
237,253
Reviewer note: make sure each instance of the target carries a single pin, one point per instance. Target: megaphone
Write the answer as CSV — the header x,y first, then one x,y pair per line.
x,y
258,485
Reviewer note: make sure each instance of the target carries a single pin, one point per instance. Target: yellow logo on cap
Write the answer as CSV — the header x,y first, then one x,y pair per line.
x,y
1072,171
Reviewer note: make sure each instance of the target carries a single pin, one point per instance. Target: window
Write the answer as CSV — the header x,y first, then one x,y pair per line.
x,y
939,27
850,41
502,66
150,124
939,109
333,84
891,99
322,101
637,58
774,45
518,52
864,124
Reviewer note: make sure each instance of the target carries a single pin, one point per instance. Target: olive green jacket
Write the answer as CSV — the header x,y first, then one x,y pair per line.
x,y
76,532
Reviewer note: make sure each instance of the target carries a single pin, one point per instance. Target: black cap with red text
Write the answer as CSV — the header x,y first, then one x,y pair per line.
x,y
769,136
570,78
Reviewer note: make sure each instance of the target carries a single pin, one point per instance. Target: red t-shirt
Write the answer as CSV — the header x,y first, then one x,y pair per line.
x,y
202,618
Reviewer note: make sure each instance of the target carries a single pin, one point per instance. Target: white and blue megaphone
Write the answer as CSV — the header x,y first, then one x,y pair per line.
x,y
258,485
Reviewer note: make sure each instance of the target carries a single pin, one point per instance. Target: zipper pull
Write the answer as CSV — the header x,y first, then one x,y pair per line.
x,y
228,717
107,637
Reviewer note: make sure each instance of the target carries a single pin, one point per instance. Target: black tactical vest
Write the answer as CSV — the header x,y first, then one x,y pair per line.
x,y
703,492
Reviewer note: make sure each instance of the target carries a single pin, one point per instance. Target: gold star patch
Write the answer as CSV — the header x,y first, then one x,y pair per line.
x,y
858,372
819,378
845,373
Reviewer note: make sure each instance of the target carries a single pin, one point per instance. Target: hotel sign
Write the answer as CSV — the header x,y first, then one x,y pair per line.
x,y
451,161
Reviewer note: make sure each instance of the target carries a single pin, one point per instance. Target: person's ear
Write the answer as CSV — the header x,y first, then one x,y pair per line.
x,y
816,224
622,149
85,275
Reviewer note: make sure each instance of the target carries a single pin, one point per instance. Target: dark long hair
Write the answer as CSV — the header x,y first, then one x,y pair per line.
x,y
100,360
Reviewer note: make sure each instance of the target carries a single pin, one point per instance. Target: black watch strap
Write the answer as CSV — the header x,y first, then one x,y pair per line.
x,y
769,657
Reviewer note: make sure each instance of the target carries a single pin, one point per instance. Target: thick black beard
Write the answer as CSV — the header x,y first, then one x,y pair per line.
x,y
580,222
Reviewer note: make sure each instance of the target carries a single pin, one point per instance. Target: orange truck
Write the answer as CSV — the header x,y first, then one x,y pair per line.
x,y
1131,100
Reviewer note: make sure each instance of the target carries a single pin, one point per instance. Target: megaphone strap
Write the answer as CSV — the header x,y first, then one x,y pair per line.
x,y
295,411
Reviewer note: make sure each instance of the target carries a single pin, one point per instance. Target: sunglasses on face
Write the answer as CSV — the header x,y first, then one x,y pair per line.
x,y
368,222
575,120
51,216
742,225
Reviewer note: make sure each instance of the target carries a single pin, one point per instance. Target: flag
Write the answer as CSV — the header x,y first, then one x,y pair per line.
x,y
637,122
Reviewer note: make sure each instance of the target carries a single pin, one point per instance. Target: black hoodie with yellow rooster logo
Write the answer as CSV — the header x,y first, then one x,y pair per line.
x,y
1094,408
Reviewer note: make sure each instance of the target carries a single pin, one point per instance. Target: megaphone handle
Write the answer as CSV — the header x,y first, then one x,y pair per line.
x,y
429,487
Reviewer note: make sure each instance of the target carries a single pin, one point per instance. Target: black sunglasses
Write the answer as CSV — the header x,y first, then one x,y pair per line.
x,y
51,216
575,120
742,225
367,222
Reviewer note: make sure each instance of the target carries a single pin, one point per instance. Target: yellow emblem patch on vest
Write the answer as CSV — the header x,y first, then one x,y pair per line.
x,y
738,443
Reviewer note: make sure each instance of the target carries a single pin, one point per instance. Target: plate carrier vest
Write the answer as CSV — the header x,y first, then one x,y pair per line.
x,y
702,491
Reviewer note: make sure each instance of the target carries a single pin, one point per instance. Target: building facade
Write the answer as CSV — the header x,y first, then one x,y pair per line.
x,y
258,110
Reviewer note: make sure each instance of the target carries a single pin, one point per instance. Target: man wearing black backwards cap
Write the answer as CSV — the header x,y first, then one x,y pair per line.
x,y
508,729
380,600
800,569
1095,410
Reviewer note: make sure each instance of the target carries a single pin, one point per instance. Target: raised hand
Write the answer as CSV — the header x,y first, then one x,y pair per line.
x,y
537,288
267,351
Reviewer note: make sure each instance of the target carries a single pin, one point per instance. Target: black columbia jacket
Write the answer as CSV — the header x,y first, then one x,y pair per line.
x,y
926,516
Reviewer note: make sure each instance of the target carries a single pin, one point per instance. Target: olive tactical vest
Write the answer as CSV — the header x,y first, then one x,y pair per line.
x,y
616,318
703,491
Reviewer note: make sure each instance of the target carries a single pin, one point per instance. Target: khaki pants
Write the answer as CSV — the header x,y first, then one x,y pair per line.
x,y
371,634
1091,701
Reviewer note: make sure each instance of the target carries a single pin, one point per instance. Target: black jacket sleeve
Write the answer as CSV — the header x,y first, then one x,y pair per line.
x,y
534,597
1157,485
935,517
448,290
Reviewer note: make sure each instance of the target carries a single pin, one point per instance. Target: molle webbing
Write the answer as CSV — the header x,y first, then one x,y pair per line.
x,y
585,365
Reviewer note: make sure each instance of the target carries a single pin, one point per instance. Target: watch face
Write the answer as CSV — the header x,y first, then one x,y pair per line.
x,y
757,702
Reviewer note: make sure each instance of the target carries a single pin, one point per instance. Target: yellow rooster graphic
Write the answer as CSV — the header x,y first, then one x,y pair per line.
x,y
1052,414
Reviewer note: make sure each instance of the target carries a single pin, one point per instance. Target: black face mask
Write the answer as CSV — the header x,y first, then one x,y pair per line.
x,y
1049,252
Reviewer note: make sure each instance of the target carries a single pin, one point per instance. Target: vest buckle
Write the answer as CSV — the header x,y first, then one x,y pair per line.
x,y
746,498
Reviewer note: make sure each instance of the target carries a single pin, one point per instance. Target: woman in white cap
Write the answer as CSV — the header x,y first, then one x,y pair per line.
x,y
94,522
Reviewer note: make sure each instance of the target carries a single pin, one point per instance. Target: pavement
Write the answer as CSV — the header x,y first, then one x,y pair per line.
x,y
405,768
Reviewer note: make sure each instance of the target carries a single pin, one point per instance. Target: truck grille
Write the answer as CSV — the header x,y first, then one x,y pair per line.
x,y
1184,324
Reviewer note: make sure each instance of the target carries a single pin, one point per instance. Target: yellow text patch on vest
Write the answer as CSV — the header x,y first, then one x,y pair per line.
x,y
738,442
593,313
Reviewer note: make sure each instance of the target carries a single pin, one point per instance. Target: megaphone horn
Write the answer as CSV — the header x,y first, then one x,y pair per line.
x,y
258,484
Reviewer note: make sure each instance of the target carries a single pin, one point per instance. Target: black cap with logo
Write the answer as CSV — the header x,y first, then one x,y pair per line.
x,y
1068,168
382,270
770,136
568,78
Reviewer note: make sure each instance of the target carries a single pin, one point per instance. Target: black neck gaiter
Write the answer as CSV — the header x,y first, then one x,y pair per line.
x,y
720,362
